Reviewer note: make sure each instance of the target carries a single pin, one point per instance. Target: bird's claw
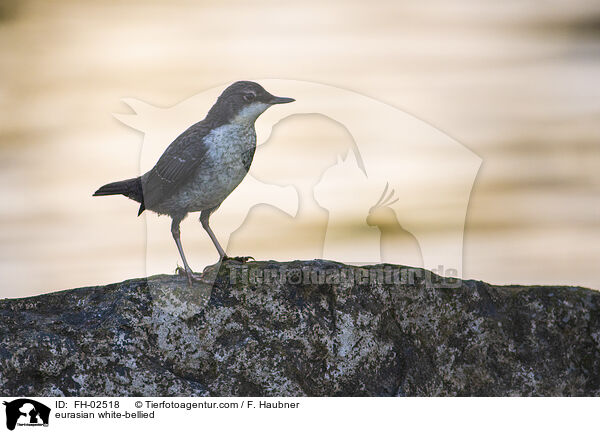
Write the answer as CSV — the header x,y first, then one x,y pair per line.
x,y
188,273
242,259
179,271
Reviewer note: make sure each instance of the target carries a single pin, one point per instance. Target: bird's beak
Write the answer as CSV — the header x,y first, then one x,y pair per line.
x,y
279,100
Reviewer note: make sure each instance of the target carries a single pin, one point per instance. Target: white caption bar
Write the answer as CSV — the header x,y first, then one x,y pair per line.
x,y
250,414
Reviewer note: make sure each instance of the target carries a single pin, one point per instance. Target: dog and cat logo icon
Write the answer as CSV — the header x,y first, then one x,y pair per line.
x,y
26,412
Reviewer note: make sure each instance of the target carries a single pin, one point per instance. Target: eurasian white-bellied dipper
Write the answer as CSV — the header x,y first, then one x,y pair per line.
x,y
204,164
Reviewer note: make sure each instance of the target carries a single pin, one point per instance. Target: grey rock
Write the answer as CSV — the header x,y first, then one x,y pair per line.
x,y
313,328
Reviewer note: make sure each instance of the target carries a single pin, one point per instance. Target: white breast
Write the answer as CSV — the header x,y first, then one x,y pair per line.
x,y
222,169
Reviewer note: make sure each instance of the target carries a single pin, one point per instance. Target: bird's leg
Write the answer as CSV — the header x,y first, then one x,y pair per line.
x,y
176,235
204,215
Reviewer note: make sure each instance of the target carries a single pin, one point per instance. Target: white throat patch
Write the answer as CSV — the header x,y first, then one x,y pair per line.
x,y
250,113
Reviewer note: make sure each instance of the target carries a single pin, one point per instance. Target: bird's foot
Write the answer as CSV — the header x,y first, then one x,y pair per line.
x,y
242,259
189,274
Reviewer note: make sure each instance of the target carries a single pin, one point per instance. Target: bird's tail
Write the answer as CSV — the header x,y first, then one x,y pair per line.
x,y
131,188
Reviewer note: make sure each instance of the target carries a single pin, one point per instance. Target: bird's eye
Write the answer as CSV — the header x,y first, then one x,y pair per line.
x,y
249,97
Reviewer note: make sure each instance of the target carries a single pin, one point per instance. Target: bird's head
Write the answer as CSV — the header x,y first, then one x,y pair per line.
x,y
243,102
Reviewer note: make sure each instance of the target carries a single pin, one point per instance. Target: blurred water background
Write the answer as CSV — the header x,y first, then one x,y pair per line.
x,y
516,81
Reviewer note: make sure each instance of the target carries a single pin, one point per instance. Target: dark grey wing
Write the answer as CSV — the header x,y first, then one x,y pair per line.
x,y
176,165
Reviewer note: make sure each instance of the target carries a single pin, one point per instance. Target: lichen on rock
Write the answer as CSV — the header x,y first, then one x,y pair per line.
x,y
315,328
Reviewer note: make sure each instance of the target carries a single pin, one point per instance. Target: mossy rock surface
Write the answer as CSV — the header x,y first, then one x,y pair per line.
x,y
302,328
